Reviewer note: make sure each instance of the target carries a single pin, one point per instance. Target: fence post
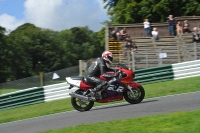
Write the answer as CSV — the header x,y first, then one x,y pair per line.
x,y
195,51
179,51
106,36
1,89
133,61
41,79
119,57
159,59
128,55
80,67
147,59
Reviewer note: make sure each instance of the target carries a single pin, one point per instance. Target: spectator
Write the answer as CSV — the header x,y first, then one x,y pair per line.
x,y
129,46
147,27
171,23
179,28
116,34
196,29
186,27
123,34
196,36
154,33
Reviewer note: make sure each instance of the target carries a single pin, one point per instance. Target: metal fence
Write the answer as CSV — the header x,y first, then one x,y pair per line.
x,y
40,80
155,56
162,56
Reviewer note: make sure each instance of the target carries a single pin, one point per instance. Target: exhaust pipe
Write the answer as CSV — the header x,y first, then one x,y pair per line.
x,y
79,96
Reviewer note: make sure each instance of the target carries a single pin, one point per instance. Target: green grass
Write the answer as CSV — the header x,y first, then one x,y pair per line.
x,y
4,91
177,122
152,90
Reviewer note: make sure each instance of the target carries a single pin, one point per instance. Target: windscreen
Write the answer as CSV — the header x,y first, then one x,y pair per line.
x,y
123,66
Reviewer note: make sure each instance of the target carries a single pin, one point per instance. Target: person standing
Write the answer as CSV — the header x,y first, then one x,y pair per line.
x,y
171,24
179,28
147,27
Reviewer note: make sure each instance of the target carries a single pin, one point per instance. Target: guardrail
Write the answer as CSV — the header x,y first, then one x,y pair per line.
x,y
59,91
22,98
168,72
154,74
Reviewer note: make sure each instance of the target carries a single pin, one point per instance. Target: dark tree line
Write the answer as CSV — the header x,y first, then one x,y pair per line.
x,y
29,49
135,11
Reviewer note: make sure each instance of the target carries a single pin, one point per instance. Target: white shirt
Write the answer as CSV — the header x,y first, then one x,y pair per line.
x,y
154,33
146,24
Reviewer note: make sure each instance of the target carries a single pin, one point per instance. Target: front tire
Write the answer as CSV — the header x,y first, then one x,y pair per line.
x,y
138,96
81,105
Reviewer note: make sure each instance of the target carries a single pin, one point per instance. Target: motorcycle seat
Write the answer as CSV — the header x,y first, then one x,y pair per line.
x,y
86,82
77,77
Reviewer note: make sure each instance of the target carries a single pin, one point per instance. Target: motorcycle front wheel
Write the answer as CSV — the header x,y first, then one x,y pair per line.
x,y
81,105
135,98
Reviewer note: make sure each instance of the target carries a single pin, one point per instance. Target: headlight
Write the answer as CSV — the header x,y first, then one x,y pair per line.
x,y
123,74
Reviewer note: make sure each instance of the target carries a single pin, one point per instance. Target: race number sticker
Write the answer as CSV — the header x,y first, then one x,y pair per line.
x,y
118,89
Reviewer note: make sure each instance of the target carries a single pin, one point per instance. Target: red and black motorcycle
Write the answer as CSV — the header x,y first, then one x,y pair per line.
x,y
121,86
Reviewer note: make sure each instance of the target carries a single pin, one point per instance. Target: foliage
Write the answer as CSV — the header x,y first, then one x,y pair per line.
x,y
30,50
135,11
3,53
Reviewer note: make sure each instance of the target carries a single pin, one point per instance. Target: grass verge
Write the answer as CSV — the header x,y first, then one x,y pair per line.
x,y
152,90
177,122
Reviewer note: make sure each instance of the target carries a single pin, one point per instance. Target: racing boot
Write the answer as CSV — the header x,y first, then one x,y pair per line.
x,y
100,87
96,92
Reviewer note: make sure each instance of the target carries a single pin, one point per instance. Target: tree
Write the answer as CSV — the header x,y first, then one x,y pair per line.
x,y
134,11
3,56
32,49
80,43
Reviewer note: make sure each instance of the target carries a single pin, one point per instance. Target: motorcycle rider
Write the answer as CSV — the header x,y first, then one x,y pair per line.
x,y
99,67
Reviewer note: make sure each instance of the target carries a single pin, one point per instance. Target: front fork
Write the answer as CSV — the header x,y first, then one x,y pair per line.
x,y
130,88
133,85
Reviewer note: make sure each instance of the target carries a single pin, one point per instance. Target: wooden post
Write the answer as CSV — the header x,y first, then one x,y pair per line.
x,y
106,37
41,79
80,67
128,55
179,55
147,59
133,61
195,51
179,51
1,89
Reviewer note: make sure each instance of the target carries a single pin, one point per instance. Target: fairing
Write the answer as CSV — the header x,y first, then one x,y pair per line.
x,y
134,84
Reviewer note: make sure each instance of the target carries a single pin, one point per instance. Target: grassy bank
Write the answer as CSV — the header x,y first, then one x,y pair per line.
x,y
152,90
178,122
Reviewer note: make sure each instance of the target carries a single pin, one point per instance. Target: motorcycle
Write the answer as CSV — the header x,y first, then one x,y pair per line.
x,y
119,87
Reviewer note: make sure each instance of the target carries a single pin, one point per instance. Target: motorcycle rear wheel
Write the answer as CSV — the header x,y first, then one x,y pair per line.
x,y
81,105
138,96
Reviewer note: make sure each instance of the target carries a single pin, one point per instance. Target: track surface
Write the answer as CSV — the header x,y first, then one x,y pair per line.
x,y
159,105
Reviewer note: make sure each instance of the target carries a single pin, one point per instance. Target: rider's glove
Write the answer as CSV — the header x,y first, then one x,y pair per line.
x,y
116,74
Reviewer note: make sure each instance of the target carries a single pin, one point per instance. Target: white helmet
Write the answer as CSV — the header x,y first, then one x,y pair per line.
x,y
107,56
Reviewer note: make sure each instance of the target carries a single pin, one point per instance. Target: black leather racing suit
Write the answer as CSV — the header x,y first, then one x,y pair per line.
x,y
98,68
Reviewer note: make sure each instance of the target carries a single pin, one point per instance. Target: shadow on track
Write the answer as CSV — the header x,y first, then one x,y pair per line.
x,y
120,105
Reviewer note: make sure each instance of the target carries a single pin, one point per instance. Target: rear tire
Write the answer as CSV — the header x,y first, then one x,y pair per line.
x,y
81,105
138,96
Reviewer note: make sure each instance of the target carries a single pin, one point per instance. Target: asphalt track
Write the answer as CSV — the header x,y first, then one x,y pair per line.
x,y
159,105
